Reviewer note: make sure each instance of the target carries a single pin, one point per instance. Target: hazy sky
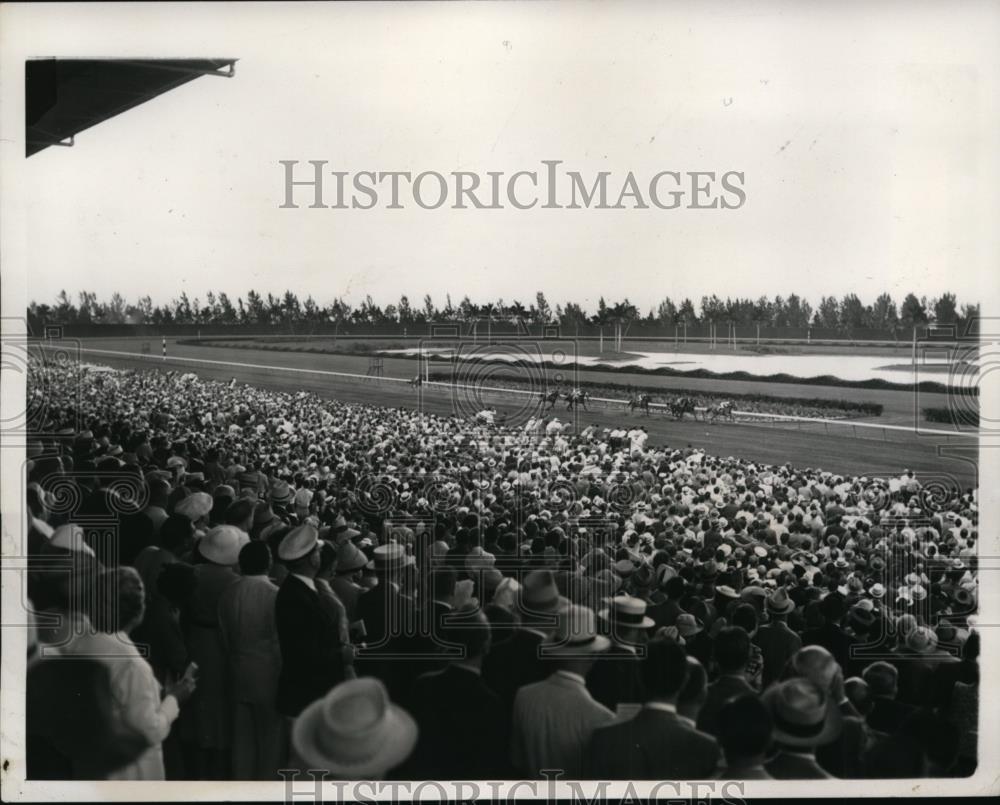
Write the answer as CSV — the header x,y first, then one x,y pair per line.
x,y
865,132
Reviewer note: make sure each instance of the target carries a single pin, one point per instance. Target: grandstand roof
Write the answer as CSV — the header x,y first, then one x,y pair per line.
x,y
66,96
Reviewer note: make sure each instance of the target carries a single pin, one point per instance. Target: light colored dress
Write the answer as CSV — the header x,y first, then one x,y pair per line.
x,y
136,698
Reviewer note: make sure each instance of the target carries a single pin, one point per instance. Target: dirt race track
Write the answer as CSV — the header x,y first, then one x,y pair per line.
x,y
948,461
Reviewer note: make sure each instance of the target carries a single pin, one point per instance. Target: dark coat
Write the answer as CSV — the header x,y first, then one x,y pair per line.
x,y
461,728
311,658
652,745
390,623
794,766
512,663
617,677
719,692
777,643
834,639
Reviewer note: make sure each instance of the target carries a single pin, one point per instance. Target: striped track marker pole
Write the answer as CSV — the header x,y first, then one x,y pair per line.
x,y
164,349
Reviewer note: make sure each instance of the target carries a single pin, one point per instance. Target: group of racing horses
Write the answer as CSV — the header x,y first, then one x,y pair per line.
x,y
677,407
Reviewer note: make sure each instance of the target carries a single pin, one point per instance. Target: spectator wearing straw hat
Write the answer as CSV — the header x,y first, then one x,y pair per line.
x,y
311,656
353,732
617,675
554,719
804,718
656,743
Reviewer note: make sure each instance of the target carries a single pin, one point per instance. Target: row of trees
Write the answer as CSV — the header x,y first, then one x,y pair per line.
x,y
847,314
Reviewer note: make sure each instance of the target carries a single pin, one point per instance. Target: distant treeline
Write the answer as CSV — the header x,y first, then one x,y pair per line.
x,y
882,317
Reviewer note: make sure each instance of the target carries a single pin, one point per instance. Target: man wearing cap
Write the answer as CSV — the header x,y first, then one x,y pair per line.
x,y
656,743
777,642
389,618
311,650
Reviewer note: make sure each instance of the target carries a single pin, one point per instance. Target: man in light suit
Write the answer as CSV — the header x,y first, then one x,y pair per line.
x,y
655,744
554,718
250,638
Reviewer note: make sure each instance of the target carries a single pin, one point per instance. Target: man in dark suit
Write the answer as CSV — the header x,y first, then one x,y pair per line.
x,y
517,661
887,714
312,655
389,618
731,653
830,635
777,642
655,744
461,720
665,613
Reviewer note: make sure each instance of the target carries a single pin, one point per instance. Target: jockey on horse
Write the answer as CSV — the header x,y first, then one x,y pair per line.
x,y
681,406
723,409
576,397
640,401
551,398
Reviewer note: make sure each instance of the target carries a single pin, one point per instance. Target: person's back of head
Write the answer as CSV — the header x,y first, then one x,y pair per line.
x,y
858,694
470,629
745,616
664,669
731,649
692,696
675,588
832,607
240,514
744,731
159,491
443,581
882,679
255,559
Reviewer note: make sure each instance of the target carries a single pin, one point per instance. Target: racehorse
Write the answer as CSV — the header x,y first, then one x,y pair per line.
x,y
681,406
551,398
577,397
724,409
641,402
417,381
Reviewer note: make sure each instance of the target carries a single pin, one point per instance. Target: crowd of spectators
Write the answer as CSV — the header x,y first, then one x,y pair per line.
x,y
227,581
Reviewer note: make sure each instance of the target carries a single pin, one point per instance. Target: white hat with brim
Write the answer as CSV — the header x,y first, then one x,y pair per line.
x,y
576,634
628,611
354,732
298,542
195,506
222,544
802,714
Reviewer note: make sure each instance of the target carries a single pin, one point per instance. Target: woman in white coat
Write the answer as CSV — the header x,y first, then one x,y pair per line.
x,y
138,706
